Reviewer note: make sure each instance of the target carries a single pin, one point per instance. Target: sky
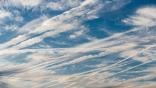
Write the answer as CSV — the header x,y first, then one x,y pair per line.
x,y
77,43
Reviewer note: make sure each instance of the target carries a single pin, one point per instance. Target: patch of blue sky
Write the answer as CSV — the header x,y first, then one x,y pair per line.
x,y
89,64
18,58
110,22
139,71
6,36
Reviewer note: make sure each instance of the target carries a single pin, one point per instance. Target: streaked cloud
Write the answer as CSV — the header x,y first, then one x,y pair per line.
x,y
122,59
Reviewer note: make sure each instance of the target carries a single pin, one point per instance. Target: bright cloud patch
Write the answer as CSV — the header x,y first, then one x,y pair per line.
x,y
24,3
143,17
4,14
63,4
27,2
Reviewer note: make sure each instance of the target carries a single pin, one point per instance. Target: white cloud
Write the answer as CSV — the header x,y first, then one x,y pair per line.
x,y
123,43
51,26
76,34
131,43
148,12
66,21
143,17
55,6
4,14
63,4
23,3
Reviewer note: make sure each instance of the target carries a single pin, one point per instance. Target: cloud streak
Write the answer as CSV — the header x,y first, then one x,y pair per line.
x,y
116,61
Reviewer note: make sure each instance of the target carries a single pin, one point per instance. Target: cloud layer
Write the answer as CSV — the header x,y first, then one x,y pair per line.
x,y
41,49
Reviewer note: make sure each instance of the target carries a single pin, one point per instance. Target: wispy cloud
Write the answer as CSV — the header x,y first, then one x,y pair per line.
x,y
63,4
144,16
19,3
98,63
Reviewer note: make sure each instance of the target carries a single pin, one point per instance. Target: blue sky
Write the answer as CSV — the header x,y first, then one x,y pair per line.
x,y
77,43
